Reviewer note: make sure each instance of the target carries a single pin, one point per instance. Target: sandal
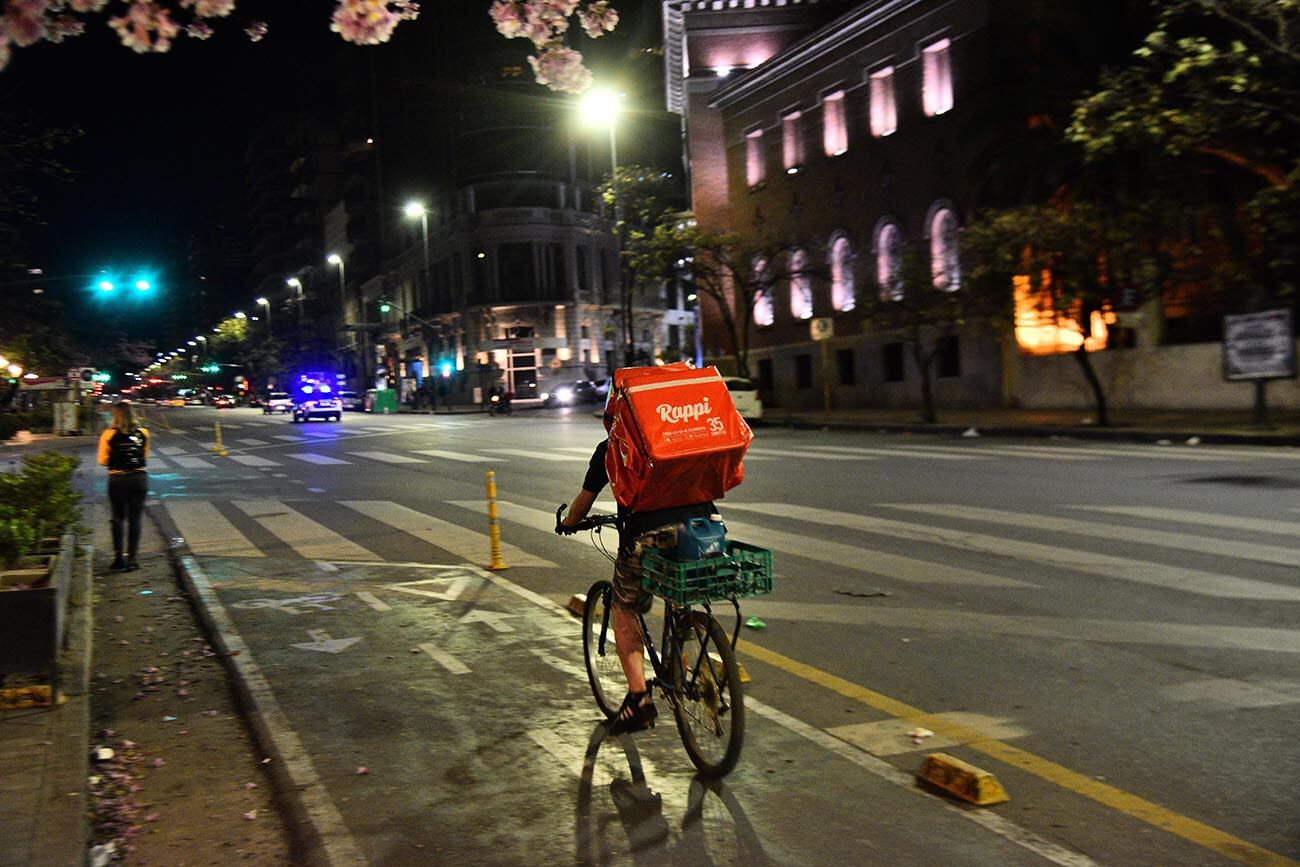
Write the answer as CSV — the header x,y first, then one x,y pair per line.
x,y
637,714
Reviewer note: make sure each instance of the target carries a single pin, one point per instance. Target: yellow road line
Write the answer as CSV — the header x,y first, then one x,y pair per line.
x,y
1199,833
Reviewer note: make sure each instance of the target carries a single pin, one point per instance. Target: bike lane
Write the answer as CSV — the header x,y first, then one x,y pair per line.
x,y
421,714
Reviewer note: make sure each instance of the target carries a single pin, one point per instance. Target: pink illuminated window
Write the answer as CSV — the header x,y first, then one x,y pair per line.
x,y
884,114
763,312
842,295
936,88
791,140
945,264
835,136
889,262
801,293
755,168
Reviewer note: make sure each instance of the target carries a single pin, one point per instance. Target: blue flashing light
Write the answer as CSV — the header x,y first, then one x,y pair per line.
x,y
105,286
445,369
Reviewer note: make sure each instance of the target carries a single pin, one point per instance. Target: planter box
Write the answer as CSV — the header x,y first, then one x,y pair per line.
x,y
33,613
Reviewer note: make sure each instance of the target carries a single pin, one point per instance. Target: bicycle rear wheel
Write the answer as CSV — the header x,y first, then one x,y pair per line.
x,y
604,671
709,704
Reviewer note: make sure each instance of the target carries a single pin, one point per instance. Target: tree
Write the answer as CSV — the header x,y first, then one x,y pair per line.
x,y
1076,258
151,26
736,272
1215,88
643,200
924,306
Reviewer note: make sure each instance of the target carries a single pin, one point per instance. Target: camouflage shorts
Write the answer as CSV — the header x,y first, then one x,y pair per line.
x,y
628,593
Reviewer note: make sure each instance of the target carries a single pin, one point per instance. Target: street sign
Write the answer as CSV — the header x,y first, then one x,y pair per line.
x,y
1259,346
823,328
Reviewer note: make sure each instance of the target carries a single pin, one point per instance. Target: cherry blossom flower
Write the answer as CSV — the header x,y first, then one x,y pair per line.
x,y
24,22
200,30
598,18
560,68
256,31
370,22
87,5
210,8
145,27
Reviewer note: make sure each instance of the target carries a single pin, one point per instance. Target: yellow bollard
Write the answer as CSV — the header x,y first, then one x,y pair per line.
x,y
494,530
219,448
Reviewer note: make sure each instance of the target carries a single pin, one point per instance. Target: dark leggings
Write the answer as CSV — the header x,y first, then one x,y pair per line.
x,y
126,493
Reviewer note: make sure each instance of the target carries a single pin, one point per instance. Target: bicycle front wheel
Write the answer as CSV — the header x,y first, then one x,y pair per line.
x,y
604,671
708,701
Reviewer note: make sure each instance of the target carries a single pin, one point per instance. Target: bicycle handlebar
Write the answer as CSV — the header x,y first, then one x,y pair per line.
x,y
591,522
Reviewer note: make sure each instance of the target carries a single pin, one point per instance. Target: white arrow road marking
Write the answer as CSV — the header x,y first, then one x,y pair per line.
x,y
447,588
373,601
445,659
495,619
322,642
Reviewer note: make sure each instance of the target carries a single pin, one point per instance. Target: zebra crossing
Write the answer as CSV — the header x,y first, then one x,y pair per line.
x,y
800,536
240,450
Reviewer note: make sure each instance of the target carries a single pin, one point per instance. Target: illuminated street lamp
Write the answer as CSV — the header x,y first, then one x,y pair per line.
x,y
601,107
239,314
413,210
262,302
296,284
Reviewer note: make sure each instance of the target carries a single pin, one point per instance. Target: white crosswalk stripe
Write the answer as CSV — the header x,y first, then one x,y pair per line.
x,y
251,441
320,460
288,438
464,457
387,457
208,532
801,453
899,453
997,451
535,455
465,544
156,461
253,461
192,463
1141,535
170,450
1082,559
302,534
1203,519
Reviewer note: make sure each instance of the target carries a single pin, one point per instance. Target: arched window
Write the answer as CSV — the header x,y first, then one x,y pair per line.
x,y
889,261
843,297
801,293
945,264
763,311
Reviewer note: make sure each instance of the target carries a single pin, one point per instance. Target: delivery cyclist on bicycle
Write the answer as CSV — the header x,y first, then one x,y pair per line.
x,y
635,531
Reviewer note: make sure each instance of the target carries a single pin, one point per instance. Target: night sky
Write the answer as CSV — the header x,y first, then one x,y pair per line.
x,y
164,136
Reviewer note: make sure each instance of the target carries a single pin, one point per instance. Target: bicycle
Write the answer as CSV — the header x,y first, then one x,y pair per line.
x,y
695,667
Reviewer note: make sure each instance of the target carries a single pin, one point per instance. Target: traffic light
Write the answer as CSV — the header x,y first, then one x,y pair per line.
x,y
211,368
384,306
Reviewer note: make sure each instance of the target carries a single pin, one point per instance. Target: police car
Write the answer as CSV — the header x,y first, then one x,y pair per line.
x,y
315,397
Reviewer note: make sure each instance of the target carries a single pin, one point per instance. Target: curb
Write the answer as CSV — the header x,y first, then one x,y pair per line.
x,y
62,832
1092,433
308,842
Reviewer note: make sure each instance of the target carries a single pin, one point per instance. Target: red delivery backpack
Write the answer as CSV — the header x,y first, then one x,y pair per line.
x,y
675,437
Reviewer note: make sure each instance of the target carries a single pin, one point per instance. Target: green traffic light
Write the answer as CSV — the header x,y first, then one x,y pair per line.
x,y
384,307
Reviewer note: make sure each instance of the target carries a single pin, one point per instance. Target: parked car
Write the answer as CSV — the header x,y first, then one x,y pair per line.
x,y
352,401
277,401
745,395
223,401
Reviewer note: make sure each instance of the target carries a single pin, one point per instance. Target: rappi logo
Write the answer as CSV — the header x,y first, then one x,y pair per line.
x,y
684,412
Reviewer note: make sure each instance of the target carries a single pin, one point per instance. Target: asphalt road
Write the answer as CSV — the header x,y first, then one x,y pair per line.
x,y
1112,629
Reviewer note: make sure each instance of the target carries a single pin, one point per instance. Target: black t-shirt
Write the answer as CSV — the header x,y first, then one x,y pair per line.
x,y
633,524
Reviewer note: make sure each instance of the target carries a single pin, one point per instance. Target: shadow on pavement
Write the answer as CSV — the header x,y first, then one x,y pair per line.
x,y
633,817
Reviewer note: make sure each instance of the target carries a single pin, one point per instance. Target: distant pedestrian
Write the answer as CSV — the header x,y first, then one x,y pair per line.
x,y
124,449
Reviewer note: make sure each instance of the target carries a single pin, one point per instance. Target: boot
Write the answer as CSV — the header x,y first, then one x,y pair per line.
x,y
118,564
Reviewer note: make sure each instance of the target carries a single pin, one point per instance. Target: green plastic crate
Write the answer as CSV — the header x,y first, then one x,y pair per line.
x,y
744,571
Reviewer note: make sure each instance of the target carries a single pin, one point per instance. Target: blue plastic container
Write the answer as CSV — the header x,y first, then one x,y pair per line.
x,y
699,538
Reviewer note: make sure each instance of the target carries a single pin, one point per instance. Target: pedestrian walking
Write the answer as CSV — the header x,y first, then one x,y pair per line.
x,y
124,449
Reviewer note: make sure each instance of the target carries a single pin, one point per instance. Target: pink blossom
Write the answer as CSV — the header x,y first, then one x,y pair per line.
x,y
255,32
506,16
87,5
598,18
364,22
145,27
24,21
209,8
560,68
64,27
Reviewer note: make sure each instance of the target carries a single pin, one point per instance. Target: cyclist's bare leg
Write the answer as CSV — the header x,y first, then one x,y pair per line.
x,y
627,635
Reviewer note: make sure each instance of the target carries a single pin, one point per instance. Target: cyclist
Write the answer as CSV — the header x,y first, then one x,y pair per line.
x,y
636,530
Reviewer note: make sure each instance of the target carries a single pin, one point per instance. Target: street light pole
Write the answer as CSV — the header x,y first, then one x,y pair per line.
x,y
362,341
601,107
263,302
